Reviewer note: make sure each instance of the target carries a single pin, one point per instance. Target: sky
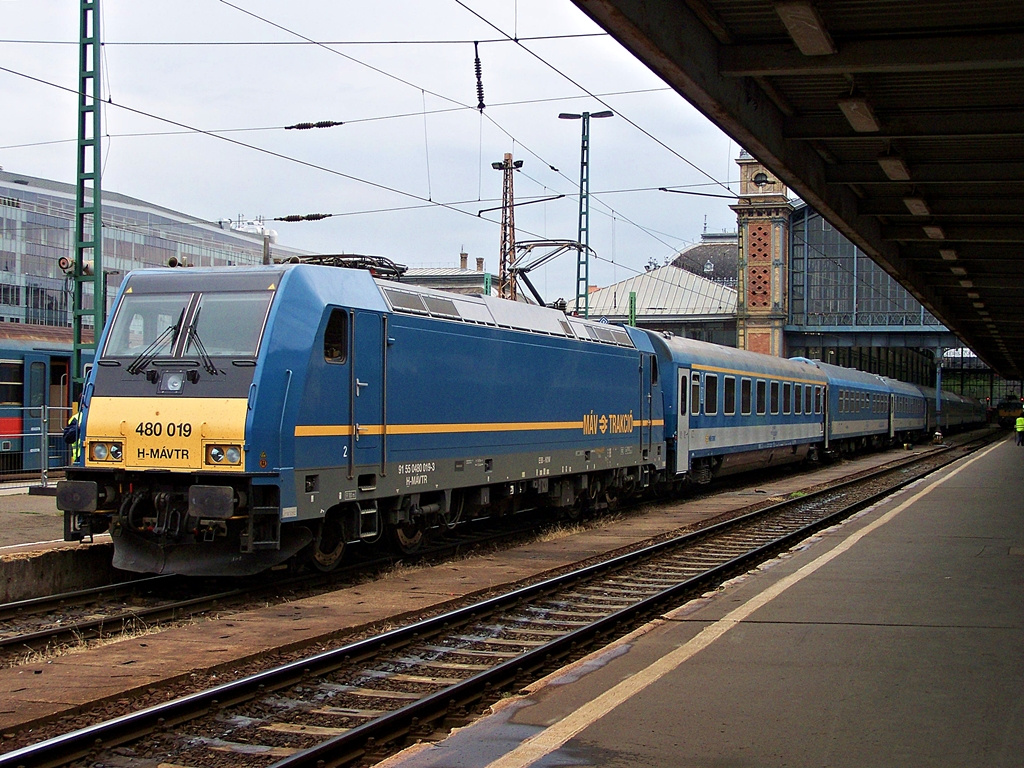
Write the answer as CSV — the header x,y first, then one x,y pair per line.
x,y
198,94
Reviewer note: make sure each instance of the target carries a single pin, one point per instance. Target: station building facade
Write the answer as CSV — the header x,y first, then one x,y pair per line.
x,y
37,219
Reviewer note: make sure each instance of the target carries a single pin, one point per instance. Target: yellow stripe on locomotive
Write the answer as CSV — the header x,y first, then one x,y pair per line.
x,y
186,434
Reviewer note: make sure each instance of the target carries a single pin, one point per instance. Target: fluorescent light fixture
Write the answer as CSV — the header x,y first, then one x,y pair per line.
x,y
973,295
917,206
979,305
947,254
805,27
894,167
934,232
958,271
859,114
967,283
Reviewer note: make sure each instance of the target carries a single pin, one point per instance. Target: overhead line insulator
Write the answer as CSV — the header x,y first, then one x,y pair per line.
x,y
307,126
307,217
479,77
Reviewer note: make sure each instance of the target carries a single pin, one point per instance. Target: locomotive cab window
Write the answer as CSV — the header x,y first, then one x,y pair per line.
x,y
143,321
214,323
228,324
336,337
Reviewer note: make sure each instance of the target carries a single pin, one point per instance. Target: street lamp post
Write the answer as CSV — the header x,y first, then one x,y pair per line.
x,y
583,261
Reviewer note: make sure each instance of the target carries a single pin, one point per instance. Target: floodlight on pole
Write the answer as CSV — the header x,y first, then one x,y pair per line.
x,y
583,262
506,281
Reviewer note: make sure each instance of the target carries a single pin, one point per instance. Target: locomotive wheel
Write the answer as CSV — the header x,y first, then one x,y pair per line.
x,y
407,537
328,545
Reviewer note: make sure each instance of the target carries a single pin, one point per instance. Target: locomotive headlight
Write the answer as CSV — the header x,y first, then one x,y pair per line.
x,y
223,454
100,451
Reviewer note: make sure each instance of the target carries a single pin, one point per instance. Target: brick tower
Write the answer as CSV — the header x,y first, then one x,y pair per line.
x,y
762,217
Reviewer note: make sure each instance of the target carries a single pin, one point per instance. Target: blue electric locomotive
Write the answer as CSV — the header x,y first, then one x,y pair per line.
x,y
238,416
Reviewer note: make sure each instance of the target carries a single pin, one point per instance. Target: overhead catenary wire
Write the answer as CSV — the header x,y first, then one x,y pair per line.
x,y
555,69
482,112
458,105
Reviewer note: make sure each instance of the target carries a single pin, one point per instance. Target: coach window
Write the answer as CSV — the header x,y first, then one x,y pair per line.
x,y
817,400
762,391
745,397
695,393
787,397
798,398
336,337
808,389
710,393
729,402
775,397
11,375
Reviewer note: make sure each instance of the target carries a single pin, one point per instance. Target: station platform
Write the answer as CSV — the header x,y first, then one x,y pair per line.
x,y
896,638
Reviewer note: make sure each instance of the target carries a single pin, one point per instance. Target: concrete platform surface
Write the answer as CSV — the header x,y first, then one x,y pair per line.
x,y
44,689
896,639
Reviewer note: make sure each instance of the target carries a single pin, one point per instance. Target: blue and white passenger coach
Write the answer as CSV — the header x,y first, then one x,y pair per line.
x,y
237,417
729,410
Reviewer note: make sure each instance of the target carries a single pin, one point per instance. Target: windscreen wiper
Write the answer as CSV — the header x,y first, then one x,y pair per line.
x,y
140,363
193,337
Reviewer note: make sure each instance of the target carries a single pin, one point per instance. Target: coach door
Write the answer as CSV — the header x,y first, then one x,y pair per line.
x,y
683,421
647,375
892,416
367,395
34,426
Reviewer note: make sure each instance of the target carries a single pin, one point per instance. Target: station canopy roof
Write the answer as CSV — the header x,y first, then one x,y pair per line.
x,y
902,123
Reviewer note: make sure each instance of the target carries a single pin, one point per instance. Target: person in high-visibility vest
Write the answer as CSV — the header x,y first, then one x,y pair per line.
x,y
1020,429
73,435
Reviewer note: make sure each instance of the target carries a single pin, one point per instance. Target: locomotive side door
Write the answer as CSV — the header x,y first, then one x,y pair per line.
x,y
366,391
682,421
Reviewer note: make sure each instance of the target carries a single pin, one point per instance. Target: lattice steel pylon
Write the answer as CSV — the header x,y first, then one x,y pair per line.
x,y
88,267
583,262
506,280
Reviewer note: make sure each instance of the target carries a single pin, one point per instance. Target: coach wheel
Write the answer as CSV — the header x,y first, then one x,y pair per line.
x,y
407,537
329,545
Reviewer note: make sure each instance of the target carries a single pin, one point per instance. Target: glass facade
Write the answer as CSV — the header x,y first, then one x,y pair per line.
x,y
834,285
37,229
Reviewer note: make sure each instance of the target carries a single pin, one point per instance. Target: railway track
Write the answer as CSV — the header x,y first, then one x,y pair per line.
x,y
70,619
358,701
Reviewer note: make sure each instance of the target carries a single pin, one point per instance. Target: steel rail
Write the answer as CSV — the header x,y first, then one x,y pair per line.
x,y
401,722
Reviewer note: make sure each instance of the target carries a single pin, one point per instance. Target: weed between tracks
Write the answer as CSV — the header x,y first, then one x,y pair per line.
x,y
80,643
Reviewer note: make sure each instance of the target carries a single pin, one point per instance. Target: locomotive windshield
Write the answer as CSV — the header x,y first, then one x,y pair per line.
x,y
223,324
